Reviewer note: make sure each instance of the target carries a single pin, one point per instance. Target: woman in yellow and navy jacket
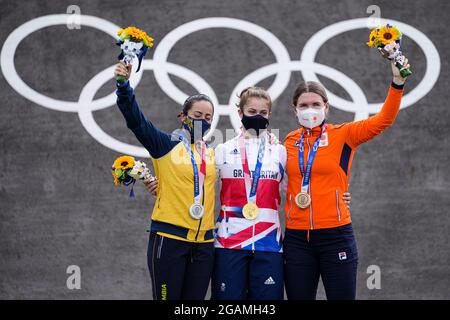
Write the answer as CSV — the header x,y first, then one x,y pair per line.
x,y
181,245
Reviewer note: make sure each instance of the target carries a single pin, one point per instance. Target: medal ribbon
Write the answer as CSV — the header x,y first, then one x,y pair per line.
x,y
199,177
312,154
251,186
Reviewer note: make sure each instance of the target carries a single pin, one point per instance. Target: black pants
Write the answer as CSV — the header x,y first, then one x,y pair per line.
x,y
329,253
179,270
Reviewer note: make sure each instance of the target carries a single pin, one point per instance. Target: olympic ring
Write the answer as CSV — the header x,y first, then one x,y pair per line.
x,y
433,61
91,88
282,69
13,41
162,52
348,84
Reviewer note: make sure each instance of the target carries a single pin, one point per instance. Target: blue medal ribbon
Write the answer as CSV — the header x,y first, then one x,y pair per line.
x,y
312,154
196,174
257,171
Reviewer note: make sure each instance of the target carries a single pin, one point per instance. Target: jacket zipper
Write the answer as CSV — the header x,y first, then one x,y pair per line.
x,y
159,198
309,186
203,204
198,230
337,206
159,193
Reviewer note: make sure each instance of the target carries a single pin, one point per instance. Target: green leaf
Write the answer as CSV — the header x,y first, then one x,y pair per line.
x,y
119,173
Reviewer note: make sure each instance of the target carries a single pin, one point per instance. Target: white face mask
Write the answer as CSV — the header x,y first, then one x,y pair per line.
x,y
311,117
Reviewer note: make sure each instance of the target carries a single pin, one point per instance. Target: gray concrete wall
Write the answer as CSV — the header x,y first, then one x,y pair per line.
x,y
60,208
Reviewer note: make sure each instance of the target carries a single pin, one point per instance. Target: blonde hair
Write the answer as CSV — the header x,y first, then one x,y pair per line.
x,y
253,92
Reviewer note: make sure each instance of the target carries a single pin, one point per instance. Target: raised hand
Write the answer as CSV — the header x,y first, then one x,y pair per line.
x,y
122,70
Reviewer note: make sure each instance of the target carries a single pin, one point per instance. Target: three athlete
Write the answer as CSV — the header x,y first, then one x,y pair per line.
x,y
248,261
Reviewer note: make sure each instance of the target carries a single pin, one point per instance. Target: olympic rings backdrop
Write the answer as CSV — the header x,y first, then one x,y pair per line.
x,y
61,130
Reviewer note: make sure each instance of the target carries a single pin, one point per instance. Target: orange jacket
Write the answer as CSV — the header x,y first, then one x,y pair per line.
x,y
331,167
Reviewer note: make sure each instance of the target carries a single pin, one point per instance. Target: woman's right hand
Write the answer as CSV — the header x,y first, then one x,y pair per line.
x,y
122,70
152,186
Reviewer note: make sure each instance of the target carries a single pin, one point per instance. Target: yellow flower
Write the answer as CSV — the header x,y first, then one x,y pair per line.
x,y
372,38
116,180
135,34
124,163
387,34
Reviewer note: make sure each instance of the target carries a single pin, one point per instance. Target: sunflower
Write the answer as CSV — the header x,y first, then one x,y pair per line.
x,y
387,34
373,38
135,34
124,163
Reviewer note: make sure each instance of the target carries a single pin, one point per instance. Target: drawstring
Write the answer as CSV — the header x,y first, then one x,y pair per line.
x,y
307,236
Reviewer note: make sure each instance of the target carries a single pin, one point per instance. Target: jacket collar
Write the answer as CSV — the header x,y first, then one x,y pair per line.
x,y
314,132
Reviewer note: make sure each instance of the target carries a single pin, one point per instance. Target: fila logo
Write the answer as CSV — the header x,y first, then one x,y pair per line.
x,y
269,281
342,255
223,287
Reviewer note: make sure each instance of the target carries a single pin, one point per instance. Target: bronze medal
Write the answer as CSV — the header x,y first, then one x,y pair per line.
x,y
303,200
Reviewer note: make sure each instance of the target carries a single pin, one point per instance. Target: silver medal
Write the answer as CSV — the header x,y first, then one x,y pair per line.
x,y
196,211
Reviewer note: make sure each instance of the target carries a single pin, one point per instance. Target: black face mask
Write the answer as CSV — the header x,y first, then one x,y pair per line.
x,y
197,128
257,123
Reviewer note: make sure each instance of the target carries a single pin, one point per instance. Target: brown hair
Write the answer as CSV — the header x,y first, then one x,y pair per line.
x,y
253,92
309,86
187,105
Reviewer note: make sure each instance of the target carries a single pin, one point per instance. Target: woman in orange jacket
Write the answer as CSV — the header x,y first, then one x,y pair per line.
x,y
319,239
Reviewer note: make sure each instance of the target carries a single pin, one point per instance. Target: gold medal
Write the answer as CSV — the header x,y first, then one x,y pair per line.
x,y
250,211
303,200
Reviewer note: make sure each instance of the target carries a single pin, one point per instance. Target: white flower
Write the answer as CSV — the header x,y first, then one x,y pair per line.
x,y
139,170
131,48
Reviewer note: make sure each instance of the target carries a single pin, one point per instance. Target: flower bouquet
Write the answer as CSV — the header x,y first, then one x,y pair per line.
x,y
134,44
388,40
126,170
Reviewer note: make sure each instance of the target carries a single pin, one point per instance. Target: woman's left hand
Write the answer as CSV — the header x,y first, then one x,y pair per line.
x,y
397,78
